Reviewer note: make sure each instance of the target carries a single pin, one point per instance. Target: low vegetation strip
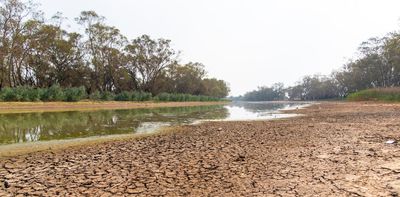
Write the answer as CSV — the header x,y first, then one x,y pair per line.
x,y
56,93
377,94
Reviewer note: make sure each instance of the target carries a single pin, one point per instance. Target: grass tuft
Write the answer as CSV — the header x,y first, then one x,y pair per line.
x,y
376,94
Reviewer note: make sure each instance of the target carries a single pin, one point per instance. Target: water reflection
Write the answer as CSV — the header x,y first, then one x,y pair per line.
x,y
28,127
31,127
260,110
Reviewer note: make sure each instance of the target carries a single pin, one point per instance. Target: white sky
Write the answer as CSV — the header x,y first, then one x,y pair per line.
x,y
254,42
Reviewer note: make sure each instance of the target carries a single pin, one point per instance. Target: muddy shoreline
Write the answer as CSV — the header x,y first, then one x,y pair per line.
x,y
28,107
335,149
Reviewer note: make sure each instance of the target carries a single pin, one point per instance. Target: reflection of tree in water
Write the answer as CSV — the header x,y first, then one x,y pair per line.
x,y
25,127
29,134
257,107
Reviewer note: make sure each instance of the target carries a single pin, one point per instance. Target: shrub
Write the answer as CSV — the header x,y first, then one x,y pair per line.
x,y
107,96
95,96
144,96
29,93
123,96
377,94
35,94
133,96
8,94
75,94
183,98
21,93
54,93
163,97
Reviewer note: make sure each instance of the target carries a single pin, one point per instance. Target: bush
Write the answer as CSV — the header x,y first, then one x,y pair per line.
x,y
28,93
144,96
377,94
21,93
123,96
107,96
34,94
162,97
133,96
8,94
95,96
54,93
183,98
75,94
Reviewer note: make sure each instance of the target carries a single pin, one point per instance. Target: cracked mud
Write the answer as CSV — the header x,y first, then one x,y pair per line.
x,y
337,149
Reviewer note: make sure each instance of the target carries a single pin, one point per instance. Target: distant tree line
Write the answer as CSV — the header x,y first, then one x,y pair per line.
x,y
377,66
273,93
39,53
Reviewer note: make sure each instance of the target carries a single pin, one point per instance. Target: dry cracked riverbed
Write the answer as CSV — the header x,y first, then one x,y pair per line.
x,y
337,149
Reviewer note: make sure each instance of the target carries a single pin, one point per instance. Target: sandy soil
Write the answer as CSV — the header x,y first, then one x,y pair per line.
x,y
337,149
21,107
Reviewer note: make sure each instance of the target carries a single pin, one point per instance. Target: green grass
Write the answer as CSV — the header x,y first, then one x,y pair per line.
x,y
376,94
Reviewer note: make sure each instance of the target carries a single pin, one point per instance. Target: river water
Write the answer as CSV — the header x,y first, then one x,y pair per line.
x,y
49,126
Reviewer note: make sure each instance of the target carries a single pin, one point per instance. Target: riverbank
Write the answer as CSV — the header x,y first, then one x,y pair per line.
x,y
336,149
26,107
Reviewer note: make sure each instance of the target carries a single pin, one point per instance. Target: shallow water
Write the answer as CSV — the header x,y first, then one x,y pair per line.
x,y
32,127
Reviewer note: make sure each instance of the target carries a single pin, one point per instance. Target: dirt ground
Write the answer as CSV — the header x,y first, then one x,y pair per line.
x,y
336,149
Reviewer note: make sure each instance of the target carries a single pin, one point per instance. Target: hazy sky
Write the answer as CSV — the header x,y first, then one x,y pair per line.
x,y
254,42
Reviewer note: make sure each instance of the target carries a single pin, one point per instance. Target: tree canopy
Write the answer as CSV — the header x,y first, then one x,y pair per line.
x,y
376,66
39,53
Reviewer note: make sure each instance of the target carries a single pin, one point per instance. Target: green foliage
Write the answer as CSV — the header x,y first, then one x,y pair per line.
x,y
141,96
167,97
28,93
123,96
21,93
107,96
215,88
54,93
376,66
96,96
8,94
133,96
55,55
75,94
377,94
273,93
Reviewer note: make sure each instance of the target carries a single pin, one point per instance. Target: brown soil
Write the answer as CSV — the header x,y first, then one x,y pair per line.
x,y
337,149
20,107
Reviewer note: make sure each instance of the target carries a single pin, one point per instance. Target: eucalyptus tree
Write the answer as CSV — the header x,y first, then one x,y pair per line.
x,y
377,70
41,72
16,25
215,88
391,53
148,59
62,54
296,92
103,47
39,53
187,78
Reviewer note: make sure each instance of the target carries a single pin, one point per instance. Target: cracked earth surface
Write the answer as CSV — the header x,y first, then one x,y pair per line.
x,y
336,149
